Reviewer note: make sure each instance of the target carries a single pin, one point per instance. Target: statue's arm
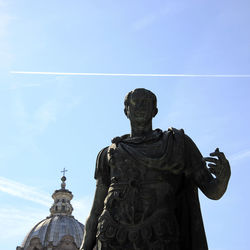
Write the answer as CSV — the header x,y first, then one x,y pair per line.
x,y
213,186
102,177
89,238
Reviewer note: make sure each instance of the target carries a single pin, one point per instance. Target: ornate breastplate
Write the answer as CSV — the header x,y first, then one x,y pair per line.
x,y
139,188
141,197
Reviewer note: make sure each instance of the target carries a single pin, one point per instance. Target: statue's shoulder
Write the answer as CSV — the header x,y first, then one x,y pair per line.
x,y
180,134
102,155
102,167
174,131
118,139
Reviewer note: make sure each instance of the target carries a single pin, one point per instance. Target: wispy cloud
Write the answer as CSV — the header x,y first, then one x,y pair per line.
x,y
36,122
82,207
24,192
29,85
145,21
31,121
240,155
5,19
132,75
18,222
160,12
45,115
150,19
3,3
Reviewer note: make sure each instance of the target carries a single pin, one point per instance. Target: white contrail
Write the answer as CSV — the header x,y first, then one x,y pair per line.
x,y
23,191
123,74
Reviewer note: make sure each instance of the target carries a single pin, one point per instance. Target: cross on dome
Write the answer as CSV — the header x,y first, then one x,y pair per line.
x,y
63,171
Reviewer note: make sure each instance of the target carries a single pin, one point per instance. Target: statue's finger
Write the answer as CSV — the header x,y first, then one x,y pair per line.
x,y
211,165
212,170
219,154
215,153
210,159
222,156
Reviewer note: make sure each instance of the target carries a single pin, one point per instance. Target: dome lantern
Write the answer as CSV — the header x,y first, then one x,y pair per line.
x,y
62,198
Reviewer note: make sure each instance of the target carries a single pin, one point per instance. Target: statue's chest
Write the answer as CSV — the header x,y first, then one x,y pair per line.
x,y
137,184
134,162
137,164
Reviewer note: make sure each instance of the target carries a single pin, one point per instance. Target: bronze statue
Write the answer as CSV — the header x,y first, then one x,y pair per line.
x,y
147,186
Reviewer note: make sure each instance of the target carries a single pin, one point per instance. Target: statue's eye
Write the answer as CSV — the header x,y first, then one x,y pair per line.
x,y
132,102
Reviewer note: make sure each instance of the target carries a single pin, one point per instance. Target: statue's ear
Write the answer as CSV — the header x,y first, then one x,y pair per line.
x,y
155,111
125,112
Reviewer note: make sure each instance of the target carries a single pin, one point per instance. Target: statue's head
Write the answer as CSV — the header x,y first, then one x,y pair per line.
x,y
140,105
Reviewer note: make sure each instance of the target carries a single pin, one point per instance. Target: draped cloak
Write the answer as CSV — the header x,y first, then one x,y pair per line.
x,y
174,152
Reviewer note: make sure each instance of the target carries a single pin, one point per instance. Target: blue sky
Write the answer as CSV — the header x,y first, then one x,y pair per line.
x,y
50,122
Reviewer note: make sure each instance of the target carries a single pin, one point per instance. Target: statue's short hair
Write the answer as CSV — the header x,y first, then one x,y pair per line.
x,y
147,93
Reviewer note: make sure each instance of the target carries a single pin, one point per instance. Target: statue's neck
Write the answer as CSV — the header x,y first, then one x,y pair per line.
x,y
138,130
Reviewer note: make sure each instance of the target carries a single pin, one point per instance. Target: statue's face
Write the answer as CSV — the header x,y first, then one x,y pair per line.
x,y
140,108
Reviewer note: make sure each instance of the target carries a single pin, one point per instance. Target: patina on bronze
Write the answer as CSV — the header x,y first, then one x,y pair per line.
x,y
147,186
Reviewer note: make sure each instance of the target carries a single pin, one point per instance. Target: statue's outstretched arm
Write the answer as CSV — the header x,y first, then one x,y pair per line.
x,y
89,238
214,186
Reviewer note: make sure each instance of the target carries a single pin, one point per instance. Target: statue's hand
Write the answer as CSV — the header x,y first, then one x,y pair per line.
x,y
219,166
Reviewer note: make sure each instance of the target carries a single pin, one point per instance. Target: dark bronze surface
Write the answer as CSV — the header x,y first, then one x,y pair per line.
x,y
146,196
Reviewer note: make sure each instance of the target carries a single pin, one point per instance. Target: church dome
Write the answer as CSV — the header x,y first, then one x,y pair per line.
x,y
60,230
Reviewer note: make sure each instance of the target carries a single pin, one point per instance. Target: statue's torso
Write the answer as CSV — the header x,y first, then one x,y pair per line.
x,y
141,198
